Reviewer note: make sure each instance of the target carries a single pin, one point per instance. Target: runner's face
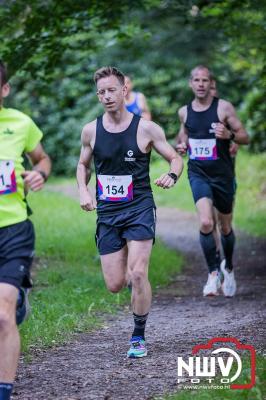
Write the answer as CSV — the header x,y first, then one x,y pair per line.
x,y
200,83
111,93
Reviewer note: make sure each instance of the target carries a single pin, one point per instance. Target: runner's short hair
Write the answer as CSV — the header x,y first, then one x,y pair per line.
x,y
109,71
211,75
3,74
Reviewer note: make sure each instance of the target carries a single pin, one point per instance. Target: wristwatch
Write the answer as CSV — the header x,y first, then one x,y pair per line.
x,y
173,176
43,174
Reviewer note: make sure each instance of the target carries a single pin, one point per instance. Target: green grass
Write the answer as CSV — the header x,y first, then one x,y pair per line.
x,y
69,292
179,196
258,392
250,210
250,207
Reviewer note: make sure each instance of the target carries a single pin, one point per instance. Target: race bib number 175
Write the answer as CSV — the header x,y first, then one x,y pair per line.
x,y
202,149
8,182
115,188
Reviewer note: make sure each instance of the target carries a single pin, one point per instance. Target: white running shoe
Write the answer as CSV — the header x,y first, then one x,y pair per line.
x,y
213,285
229,283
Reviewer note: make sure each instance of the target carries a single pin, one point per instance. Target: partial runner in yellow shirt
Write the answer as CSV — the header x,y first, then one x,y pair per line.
x,y
19,136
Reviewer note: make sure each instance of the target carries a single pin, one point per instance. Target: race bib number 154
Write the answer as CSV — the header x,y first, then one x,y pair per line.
x,y
8,182
115,188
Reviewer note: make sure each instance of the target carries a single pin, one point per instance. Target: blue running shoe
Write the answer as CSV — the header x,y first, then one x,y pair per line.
x,y
137,348
23,306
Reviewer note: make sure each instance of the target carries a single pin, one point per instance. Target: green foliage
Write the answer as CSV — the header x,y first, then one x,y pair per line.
x,y
251,189
61,109
243,49
156,42
37,34
252,110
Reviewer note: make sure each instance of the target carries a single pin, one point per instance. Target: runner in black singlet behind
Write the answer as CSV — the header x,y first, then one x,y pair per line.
x,y
121,144
204,133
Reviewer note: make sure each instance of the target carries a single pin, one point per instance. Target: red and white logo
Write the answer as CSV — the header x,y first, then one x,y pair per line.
x,y
221,358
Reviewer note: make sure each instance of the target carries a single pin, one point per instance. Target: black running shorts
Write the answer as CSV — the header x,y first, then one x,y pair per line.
x,y
113,231
16,253
221,193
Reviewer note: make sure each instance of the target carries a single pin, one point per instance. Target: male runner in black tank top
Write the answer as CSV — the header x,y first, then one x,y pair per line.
x,y
120,144
204,133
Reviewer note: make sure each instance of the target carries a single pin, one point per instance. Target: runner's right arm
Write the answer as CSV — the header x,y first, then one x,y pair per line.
x,y
182,137
87,200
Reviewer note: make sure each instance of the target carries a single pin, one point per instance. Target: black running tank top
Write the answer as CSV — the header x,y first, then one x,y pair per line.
x,y
208,156
117,154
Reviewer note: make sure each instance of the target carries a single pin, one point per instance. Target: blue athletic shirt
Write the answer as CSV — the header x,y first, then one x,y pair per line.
x,y
134,107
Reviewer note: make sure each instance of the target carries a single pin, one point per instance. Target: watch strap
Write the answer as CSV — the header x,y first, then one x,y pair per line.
x,y
173,176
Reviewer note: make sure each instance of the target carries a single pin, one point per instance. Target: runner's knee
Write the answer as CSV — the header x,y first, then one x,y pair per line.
x,y
138,277
225,230
7,322
225,227
206,225
115,287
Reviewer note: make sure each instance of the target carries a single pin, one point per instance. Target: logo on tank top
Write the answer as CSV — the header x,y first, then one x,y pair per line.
x,y
8,132
130,155
213,126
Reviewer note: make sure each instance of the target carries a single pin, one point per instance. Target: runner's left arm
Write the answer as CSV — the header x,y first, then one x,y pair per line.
x,y
237,132
162,147
36,178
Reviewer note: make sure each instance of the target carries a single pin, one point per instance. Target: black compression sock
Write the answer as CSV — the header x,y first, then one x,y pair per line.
x,y
209,249
218,259
139,325
228,243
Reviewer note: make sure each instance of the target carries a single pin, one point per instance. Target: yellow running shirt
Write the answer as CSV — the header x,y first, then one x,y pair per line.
x,y
18,134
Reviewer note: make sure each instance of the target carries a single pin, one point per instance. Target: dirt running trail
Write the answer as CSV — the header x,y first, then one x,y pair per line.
x,y
94,365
